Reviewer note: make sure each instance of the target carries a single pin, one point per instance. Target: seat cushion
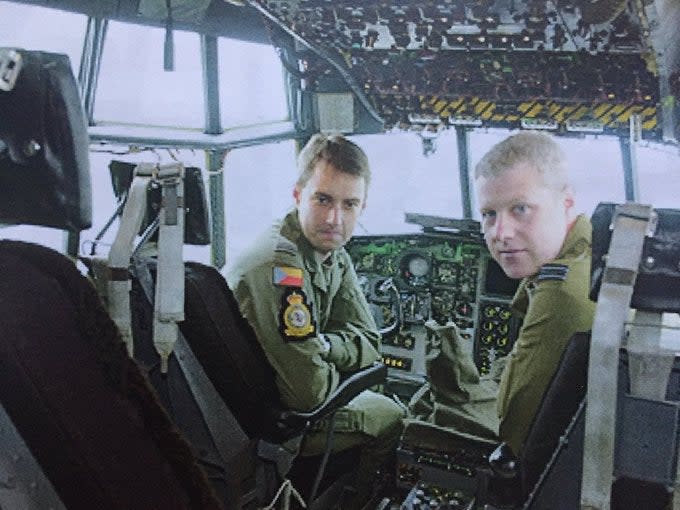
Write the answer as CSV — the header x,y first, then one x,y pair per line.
x,y
82,406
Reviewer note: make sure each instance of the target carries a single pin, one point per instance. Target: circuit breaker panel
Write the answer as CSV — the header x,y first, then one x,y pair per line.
x,y
566,66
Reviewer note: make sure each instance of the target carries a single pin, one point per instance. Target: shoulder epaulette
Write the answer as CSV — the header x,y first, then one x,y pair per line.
x,y
556,272
285,245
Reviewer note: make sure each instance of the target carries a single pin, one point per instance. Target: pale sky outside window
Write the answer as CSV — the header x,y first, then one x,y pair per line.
x,y
406,181
133,88
659,177
25,27
252,89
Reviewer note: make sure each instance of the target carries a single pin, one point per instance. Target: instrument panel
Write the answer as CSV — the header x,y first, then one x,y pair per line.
x,y
412,278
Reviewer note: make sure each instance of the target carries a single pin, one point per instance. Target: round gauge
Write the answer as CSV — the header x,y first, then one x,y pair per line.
x,y
415,269
418,266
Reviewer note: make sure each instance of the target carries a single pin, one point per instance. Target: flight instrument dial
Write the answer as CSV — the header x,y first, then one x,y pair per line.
x,y
415,269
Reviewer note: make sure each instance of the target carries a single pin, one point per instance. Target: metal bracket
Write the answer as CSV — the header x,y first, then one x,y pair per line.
x,y
10,67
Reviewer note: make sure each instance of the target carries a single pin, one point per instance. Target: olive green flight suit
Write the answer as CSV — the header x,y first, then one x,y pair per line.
x,y
290,298
555,305
461,399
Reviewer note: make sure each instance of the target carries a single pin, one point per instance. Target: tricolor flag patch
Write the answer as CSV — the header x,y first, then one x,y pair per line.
x,y
287,276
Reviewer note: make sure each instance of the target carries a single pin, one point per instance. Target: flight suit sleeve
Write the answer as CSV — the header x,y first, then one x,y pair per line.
x,y
303,377
351,330
556,311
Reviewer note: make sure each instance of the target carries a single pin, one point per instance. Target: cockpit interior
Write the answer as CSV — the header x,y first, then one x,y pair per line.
x,y
129,378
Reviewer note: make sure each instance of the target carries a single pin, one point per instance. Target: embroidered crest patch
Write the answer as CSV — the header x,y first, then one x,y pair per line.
x,y
296,321
553,272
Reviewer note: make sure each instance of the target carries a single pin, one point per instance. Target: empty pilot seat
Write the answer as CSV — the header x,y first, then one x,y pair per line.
x,y
43,143
85,428
82,406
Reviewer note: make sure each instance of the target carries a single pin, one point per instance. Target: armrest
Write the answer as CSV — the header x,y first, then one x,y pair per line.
x,y
500,485
503,462
293,422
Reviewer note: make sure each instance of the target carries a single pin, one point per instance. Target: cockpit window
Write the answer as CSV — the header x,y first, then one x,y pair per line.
x,y
134,88
595,167
658,175
404,180
19,25
252,89
596,170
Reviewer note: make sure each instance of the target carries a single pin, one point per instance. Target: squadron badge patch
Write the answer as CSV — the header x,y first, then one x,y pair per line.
x,y
296,321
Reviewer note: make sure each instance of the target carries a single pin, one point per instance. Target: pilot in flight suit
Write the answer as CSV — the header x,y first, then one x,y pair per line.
x,y
554,304
527,205
308,312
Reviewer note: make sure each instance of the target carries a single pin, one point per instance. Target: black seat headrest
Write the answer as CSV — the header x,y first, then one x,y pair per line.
x,y
659,271
44,162
196,220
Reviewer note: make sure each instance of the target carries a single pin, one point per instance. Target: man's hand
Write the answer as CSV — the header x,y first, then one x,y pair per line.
x,y
325,346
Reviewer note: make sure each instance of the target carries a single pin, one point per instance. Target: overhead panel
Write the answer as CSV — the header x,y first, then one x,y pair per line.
x,y
568,66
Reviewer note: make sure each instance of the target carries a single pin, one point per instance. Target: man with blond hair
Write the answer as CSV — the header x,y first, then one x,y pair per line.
x,y
529,225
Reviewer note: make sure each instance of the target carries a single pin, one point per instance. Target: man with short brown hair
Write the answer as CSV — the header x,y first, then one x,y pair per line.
x,y
298,289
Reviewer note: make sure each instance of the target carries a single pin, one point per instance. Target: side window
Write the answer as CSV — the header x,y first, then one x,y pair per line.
x,y
658,175
19,25
134,88
252,89
258,188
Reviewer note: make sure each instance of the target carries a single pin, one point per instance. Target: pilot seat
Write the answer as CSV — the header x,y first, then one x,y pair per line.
x,y
80,425
628,437
214,380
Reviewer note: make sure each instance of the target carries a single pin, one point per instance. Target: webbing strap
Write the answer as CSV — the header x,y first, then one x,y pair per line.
x,y
631,223
285,495
649,364
229,438
121,249
169,300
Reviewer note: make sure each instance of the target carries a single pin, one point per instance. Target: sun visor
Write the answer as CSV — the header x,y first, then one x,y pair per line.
x,y
44,165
